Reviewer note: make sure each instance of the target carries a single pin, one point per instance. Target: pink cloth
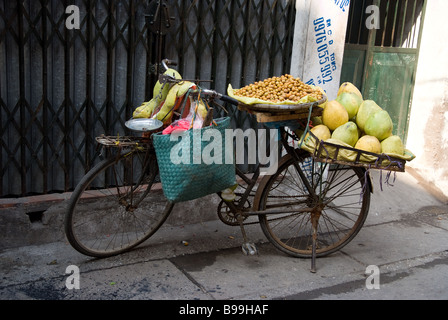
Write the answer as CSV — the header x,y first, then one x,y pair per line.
x,y
181,125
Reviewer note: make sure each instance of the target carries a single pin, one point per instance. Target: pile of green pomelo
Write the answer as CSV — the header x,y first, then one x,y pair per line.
x,y
360,123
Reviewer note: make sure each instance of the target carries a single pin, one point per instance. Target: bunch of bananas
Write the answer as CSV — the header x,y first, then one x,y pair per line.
x,y
167,99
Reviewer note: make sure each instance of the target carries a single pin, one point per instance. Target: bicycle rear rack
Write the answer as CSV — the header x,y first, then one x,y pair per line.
x,y
123,142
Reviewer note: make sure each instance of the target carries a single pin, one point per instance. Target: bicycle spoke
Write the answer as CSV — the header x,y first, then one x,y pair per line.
x,y
116,208
337,199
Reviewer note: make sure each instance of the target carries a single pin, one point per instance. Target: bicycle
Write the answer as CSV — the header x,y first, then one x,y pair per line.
x,y
307,209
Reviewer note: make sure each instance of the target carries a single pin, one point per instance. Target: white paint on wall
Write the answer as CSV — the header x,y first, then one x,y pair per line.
x,y
428,125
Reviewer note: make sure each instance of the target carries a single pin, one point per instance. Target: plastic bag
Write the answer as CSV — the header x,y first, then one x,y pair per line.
x,y
193,120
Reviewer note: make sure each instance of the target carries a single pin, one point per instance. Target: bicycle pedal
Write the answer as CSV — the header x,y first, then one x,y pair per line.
x,y
249,249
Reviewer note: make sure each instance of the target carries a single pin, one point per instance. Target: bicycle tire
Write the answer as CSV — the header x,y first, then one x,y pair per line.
x,y
344,199
107,217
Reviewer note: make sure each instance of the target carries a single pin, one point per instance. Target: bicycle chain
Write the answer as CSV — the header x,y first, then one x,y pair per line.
x,y
233,221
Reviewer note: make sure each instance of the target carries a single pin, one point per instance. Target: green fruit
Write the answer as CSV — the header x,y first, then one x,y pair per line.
x,y
321,132
146,109
392,145
347,133
349,87
173,73
166,111
369,144
183,88
366,109
316,120
334,115
202,109
379,125
161,90
351,102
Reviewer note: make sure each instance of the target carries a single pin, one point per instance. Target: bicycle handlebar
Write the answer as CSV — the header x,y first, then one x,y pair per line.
x,y
229,99
216,95
166,63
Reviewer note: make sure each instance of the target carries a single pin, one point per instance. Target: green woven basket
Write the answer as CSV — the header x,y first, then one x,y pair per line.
x,y
193,179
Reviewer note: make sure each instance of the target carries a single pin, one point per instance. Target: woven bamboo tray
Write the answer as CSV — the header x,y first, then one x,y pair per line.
x,y
275,113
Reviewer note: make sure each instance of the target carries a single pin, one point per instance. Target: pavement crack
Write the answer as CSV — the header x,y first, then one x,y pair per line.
x,y
192,279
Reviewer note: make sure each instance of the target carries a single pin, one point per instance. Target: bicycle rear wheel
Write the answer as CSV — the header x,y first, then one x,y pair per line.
x,y
341,197
116,206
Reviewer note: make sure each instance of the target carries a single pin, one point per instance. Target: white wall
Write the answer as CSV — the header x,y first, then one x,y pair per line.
x,y
428,126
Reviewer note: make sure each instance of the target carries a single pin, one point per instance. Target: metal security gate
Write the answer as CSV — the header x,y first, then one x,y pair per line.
x,y
382,62
60,87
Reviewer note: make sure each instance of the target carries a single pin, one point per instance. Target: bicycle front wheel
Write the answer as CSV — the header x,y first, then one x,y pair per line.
x,y
116,206
341,194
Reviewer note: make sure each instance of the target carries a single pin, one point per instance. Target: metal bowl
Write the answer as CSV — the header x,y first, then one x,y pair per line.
x,y
144,125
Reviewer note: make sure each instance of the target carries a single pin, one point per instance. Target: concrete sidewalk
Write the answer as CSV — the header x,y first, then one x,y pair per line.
x,y
405,237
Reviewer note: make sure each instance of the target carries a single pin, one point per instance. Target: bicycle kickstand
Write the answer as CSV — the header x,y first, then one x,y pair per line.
x,y
249,249
315,215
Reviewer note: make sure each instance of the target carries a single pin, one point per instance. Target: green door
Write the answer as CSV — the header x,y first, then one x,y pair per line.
x,y
353,65
382,62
